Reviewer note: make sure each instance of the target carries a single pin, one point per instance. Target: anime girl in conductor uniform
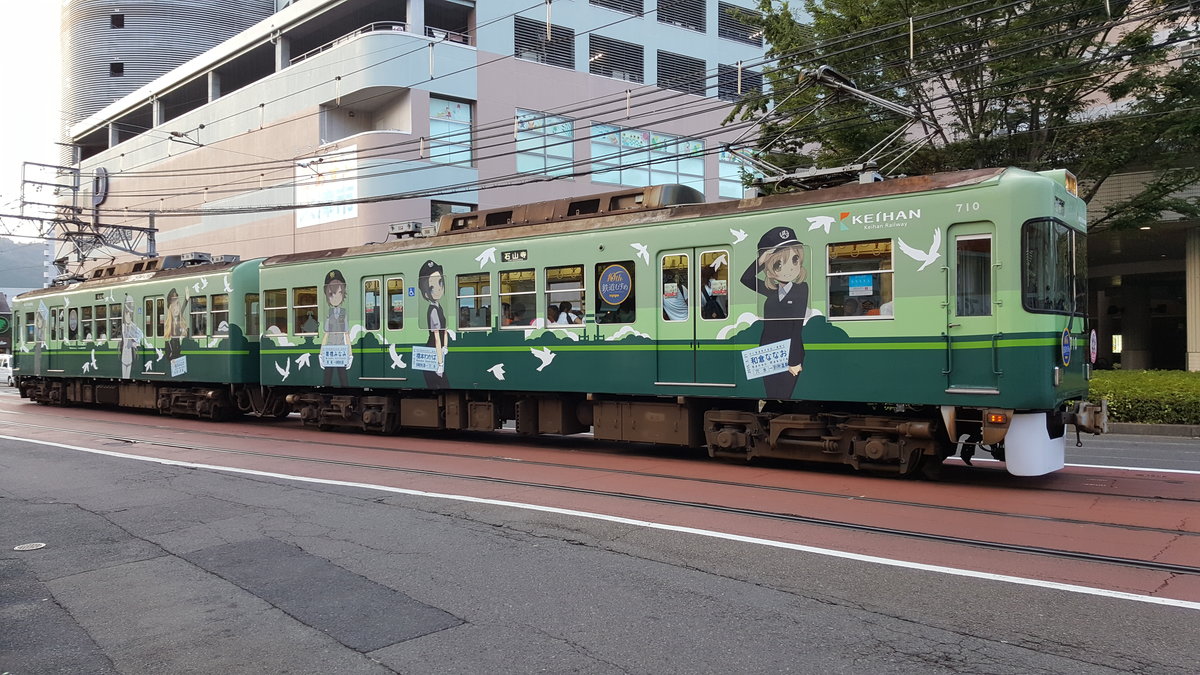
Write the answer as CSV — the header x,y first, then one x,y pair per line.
x,y
432,283
781,260
335,350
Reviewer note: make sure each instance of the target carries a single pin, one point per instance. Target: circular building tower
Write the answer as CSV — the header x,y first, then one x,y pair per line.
x,y
110,48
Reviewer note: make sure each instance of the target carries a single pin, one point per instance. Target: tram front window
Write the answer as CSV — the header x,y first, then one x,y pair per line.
x,y
1053,272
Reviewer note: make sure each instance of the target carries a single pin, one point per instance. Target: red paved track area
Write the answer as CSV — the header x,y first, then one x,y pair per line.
x,y
1135,514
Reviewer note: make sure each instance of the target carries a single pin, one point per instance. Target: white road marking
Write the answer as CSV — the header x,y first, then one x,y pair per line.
x,y
1070,588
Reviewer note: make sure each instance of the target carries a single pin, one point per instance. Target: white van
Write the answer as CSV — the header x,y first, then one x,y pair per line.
x,y
6,369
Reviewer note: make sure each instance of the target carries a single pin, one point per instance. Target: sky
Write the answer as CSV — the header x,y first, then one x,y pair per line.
x,y
29,87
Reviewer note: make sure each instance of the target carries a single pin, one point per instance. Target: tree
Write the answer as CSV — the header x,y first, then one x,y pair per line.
x,y
1033,84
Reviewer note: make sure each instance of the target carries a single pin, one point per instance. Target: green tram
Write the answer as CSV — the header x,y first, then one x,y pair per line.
x,y
883,325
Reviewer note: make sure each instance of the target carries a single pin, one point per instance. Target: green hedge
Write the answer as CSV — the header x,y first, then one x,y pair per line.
x,y
1148,396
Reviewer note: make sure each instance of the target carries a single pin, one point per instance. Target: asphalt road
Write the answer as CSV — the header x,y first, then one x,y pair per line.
x,y
163,569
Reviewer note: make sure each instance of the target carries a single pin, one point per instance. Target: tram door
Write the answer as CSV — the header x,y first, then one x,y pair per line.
x,y
972,340
693,308
382,320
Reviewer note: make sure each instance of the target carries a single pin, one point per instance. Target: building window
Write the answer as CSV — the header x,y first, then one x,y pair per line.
x,y
639,158
860,279
630,6
553,45
615,58
731,24
116,69
734,83
449,131
730,170
116,20
681,73
544,143
683,13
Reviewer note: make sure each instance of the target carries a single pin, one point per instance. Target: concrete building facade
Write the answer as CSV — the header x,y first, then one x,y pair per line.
x,y
382,112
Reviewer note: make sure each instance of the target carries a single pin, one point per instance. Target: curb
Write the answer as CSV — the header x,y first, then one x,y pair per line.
x,y
1177,430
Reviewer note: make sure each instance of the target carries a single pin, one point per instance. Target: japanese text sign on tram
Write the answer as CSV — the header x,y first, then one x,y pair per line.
x,y
767,359
615,284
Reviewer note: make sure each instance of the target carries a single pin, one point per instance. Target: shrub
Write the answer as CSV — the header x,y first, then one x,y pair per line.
x,y
1148,396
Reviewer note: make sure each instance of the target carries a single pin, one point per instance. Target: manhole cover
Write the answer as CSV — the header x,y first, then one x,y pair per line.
x,y
28,547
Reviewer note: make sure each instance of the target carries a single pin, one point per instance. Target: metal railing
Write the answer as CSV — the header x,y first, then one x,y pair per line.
x,y
391,27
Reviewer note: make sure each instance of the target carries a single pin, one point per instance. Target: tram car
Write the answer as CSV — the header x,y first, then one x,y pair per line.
x,y
883,325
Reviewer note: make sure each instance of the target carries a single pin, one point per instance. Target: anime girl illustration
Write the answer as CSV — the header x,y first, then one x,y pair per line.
x,y
131,335
432,284
175,328
335,348
781,260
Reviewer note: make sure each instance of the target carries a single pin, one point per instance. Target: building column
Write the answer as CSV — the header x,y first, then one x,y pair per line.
x,y
414,16
214,86
114,136
1192,299
1135,324
157,113
283,53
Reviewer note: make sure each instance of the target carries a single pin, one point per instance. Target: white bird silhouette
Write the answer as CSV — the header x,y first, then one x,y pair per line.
x,y
214,342
488,256
820,222
544,355
203,282
196,287
721,260
642,252
93,361
926,258
225,281
738,235
66,302
354,332
302,360
397,358
147,367
497,370
286,370
159,352
87,366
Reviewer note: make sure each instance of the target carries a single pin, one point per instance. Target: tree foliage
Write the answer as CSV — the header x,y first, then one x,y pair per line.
x,y
1097,88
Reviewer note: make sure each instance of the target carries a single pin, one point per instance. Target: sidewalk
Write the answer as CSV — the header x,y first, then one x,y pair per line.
x,y
1177,430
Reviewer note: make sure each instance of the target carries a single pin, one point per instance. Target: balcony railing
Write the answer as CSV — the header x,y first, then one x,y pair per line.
x,y
389,27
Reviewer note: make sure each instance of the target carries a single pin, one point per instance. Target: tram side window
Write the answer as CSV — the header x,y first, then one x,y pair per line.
x,y
200,315
713,294
973,276
86,332
860,279
474,300
518,298
395,303
114,322
304,310
1053,277
30,329
220,314
100,312
371,301
676,296
252,325
565,299
275,316
160,317
73,324
58,324
616,298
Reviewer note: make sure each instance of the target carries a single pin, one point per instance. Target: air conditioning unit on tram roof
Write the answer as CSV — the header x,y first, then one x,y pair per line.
x,y
194,258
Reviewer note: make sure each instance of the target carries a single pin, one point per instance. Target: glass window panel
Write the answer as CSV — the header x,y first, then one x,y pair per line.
x,y
395,303
199,315
565,295
474,301
304,310
714,285
371,304
860,278
676,295
974,276
616,296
